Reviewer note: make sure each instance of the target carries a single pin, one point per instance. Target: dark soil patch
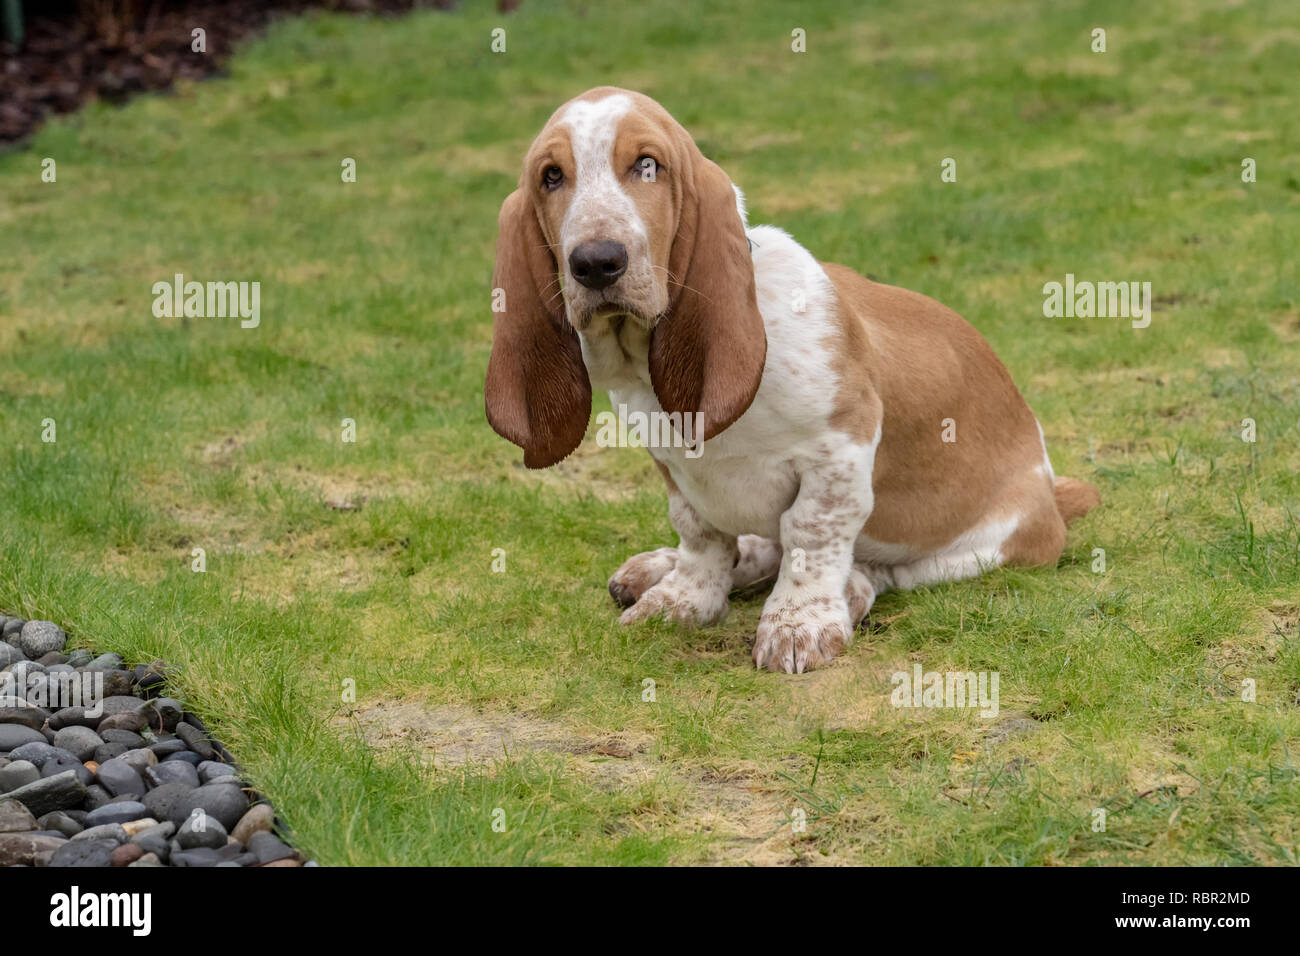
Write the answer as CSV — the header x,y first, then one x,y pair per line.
x,y
79,50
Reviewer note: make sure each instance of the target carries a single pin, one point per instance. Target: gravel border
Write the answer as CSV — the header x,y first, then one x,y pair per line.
x,y
99,768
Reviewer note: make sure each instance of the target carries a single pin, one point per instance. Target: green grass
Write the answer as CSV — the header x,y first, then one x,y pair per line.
x,y
175,434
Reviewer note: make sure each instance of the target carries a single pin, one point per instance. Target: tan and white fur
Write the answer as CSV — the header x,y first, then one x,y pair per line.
x,y
626,264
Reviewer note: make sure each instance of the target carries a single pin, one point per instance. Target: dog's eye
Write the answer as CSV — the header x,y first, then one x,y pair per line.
x,y
646,168
552,176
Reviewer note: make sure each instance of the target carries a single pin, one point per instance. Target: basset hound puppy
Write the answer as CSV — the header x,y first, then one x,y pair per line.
x,y
849,436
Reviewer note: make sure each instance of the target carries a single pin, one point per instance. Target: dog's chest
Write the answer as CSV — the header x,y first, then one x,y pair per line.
x,y
736,495
743,479
739,481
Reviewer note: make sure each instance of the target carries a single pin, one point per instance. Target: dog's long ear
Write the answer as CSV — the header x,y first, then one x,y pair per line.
x,y
537,391
707,351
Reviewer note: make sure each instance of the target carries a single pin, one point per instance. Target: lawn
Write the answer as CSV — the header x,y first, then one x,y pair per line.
x,y
406,638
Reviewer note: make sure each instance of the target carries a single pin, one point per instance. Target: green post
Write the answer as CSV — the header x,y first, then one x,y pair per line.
x,y
13,21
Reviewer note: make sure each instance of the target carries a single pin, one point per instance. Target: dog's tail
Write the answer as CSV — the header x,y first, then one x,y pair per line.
x,y
1075,498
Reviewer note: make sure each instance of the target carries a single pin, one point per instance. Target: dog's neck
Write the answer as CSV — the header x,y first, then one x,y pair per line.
x,y
616,348
616,351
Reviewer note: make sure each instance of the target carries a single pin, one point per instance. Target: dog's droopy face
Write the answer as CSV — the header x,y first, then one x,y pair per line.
x,y
605,175
618,218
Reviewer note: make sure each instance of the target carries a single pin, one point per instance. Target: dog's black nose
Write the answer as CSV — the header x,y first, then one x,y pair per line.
x,y
598,262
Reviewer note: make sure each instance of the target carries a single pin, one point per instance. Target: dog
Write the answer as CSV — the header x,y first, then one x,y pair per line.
x,y
850,437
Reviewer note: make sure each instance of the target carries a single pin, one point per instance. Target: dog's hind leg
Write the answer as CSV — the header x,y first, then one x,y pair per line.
x,y
860,593
760,560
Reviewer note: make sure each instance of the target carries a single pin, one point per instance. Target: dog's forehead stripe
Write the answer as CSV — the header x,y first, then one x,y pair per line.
x,y
599,199
592,128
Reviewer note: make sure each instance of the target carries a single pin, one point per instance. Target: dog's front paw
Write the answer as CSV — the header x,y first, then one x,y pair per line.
x,y
639,574
797,635
682,599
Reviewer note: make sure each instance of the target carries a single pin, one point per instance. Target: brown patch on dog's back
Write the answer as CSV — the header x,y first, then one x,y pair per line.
x,y
928,491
